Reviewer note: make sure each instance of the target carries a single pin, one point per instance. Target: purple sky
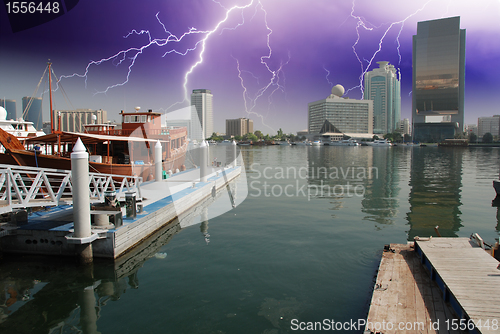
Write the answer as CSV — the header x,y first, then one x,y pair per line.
x,y
311,42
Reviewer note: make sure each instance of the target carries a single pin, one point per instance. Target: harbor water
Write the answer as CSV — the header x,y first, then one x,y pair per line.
x,y
303,246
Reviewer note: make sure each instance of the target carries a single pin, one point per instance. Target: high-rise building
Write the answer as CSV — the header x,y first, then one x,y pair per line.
x,y
336,114
488,124
383,87
202,100
10,106
32,111
404,127
471,128
74,120
438,79
239,127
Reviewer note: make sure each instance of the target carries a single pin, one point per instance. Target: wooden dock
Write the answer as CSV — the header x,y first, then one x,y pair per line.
x,y
405,300
468,280
50,232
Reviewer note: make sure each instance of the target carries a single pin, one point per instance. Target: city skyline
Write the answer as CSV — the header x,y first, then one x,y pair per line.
x,y
310,54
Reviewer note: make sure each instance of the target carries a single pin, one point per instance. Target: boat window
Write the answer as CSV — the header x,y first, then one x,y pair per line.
x,y
135,119
149,118
143,118
127,119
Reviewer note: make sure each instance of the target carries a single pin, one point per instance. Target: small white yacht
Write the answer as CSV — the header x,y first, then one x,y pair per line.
x,y
345,142
379,142
19,128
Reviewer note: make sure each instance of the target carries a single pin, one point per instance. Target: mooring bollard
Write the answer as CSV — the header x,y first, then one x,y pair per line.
x,y
81,199
203,161
130,204
158,162
235,157
110,199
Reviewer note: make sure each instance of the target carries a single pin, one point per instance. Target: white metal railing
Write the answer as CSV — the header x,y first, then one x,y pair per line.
x,y
22,187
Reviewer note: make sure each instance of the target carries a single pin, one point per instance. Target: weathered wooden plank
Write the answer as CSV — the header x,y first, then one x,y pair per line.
x,y
469,273
404,295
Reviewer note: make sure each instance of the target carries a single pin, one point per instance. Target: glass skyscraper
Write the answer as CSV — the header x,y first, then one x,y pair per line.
x,y
382,86
438,79
32,111
10,106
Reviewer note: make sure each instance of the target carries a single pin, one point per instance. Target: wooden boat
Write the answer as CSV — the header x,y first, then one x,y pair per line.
x,y
125,151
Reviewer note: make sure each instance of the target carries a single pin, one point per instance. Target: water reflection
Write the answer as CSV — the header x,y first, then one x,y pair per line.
x,y
59,296
337,173
368,173
435,199
435,180
381,200
496,203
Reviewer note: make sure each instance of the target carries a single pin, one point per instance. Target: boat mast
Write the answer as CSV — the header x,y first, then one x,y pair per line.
x,y
52,130
50,98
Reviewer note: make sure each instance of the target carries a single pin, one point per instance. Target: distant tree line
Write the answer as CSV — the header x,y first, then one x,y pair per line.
x,y
258,135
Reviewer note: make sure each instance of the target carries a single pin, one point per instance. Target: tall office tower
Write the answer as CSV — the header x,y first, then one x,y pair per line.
x,y
202,100
383,87
32,111
10,106
438,79
404,127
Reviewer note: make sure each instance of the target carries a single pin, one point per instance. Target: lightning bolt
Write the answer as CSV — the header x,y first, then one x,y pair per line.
x,y
128,57
362,24
131,54
327,75
249,103
273,84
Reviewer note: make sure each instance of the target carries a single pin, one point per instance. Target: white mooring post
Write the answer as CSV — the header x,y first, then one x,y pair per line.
x,y
235,157
158,162
81,200
203,161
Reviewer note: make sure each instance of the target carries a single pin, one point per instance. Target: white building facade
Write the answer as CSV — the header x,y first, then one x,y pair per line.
x,y
383,87
343,115
202,99
74,120
488,124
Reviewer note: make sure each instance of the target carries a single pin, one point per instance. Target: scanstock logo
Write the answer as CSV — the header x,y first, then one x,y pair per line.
x,y
220,159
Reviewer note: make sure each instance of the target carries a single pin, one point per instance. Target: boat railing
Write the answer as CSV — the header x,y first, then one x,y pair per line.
x,y
23,187
128,132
